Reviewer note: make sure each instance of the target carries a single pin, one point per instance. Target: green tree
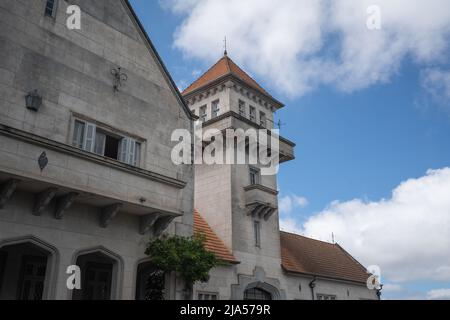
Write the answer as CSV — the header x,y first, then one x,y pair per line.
x,y
185,256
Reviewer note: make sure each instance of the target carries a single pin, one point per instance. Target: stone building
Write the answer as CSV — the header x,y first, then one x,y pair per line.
x,y
86,176
85,170
237,208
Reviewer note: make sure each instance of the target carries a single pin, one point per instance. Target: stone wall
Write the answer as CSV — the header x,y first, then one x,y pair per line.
x,y
71,69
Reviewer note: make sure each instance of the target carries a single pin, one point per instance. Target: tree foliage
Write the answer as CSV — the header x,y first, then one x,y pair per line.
x,y
185,256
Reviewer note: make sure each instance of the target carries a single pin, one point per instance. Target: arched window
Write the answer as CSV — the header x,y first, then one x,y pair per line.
x,y
101,275
150,282
257,294
27,269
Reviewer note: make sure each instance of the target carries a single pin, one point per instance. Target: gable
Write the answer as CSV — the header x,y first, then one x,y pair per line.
x,y
224,68
120,16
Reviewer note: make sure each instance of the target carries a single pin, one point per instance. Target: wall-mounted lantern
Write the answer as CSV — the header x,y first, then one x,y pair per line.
x,y
33,101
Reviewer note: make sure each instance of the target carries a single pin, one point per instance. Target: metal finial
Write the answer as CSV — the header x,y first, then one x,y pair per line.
x,y
225,46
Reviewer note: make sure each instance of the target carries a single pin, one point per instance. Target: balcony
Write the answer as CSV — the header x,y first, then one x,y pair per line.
x,y
261,202
60,175
233,120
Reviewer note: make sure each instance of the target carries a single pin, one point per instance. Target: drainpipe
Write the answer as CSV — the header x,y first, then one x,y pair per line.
x,y
312,285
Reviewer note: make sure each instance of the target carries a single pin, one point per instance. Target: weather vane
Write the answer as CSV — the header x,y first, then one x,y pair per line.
x,y
280,124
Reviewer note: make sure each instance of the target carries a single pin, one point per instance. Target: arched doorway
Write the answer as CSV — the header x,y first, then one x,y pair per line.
x,y
150,282
27,269
257,294
101,273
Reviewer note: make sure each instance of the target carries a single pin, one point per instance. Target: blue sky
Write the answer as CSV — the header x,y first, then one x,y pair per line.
x,y
356,138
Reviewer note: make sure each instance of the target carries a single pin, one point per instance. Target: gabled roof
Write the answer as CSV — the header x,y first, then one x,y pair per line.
x,y
225,67
213,243
159,61
308,256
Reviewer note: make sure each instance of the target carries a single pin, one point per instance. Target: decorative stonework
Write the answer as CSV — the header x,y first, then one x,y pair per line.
x,y
43,200
260,281
63,203
7,190
109,213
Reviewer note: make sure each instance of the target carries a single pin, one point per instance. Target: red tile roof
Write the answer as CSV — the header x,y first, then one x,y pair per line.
x,y
225,66
213,243
307,256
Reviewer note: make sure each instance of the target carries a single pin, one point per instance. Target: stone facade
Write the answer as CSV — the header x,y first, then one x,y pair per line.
x,y
82,202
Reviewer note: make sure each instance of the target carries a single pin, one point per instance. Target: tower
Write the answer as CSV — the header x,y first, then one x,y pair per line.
x,y
238,202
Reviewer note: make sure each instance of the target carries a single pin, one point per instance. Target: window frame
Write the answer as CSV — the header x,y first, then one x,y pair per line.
x,y
252,114
136,159
215,108
257,233
53,9
322,296
207,294
257,172
262,119
256,294
242,108
203,116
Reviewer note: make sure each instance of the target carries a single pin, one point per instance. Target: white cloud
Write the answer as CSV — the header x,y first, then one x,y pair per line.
x,y
290,202
439,294
286,205
290,225
299,45
437,83
408,235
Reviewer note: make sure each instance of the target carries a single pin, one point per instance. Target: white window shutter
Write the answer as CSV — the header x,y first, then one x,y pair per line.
x,y
132,152
123,149
78,134
89,137
100,140
128,151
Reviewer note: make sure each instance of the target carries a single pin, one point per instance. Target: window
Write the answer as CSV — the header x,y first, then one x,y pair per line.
x,y
325,297
257,231
254,176
252,114
256,294
208,296
215,108
3,256
262,119
242,108
89,137
50,8
150,282
32,278
203,113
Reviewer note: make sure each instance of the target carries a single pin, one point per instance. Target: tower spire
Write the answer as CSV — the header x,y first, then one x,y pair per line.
x,y
225,52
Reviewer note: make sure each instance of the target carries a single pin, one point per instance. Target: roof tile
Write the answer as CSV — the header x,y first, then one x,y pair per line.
x,y
212,243
225,66
304,255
